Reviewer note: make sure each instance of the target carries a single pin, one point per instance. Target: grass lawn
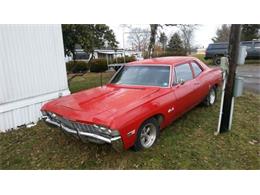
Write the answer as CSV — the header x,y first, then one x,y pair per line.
x,y
188,143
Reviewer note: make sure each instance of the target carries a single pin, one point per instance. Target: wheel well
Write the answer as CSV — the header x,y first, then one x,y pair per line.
x,y
218,55
159,118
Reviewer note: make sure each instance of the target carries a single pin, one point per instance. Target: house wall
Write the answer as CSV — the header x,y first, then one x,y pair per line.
x,y
32,71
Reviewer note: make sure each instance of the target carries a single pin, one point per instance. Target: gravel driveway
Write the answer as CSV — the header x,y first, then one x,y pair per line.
x,y
251,75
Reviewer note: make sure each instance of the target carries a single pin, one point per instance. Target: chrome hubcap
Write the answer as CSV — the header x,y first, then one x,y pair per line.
x,y
212,96
148,135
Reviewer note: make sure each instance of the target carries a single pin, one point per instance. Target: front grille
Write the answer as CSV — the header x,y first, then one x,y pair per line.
x,y
77,126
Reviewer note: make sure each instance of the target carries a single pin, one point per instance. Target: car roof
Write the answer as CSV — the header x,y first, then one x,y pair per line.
x,y
219,43
164,60
246,41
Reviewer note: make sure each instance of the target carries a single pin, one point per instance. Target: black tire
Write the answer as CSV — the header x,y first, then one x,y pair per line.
x,y
139,144
208,100
217,60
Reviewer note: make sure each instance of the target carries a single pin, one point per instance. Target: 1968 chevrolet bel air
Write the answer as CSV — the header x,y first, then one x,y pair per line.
x,y
141,99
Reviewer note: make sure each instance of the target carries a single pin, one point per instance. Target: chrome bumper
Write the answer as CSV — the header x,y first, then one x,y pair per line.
x,y
116,142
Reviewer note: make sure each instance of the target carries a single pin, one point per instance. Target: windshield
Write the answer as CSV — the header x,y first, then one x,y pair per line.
x,y
143,75
218,46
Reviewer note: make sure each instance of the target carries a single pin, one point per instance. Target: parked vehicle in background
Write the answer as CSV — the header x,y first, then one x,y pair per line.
x,y
216,50
141,99
253,49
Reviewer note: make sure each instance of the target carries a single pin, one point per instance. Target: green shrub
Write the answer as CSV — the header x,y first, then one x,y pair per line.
x,y
98,65
77,66
169,53
120,60
201,58
165,54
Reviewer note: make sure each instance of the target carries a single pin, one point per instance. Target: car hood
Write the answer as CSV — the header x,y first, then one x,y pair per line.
x,y
99,105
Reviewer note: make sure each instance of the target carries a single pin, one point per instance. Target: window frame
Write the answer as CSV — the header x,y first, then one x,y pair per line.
x,y
216,46
256,42
248,44
200,67
175,75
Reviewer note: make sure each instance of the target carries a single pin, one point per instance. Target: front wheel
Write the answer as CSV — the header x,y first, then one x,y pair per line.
x,y
147,134
211,97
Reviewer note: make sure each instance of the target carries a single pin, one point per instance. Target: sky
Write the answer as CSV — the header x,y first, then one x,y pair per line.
x,y
202,36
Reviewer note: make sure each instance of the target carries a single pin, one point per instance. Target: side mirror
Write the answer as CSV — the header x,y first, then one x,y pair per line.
x,y
181,81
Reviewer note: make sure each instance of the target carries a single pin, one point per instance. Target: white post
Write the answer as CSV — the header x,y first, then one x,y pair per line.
x,y
231,113
222,101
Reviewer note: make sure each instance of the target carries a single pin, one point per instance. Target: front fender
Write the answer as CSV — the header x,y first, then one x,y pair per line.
x,y
129,123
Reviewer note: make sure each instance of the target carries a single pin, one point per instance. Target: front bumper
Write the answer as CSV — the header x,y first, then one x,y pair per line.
x,y
116,141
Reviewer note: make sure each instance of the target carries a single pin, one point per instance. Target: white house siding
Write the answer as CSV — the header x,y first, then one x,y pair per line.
x,y
32,71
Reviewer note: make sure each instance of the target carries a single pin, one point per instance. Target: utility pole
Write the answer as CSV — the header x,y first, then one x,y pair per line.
x,y
234,42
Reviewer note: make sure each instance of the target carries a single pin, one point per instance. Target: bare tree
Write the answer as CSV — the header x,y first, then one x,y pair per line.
x,y
187,32
154,28
139,38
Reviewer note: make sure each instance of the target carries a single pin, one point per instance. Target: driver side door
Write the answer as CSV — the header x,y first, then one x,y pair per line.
x,y
183,88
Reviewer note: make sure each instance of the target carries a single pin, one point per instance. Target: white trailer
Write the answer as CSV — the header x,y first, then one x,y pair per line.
x,y
32,72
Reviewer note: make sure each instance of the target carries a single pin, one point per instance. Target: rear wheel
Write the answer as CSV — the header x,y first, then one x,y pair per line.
x,y
211,97
147,134
217,60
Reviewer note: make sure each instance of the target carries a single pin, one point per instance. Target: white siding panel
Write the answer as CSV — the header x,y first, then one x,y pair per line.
x,y
32,61
32,71
26,111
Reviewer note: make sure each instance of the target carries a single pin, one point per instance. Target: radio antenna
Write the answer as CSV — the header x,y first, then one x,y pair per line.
x,y
101,84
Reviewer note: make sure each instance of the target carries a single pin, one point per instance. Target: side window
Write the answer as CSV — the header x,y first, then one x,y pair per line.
x,y
248,44
197,70
183,72
257,44
220,46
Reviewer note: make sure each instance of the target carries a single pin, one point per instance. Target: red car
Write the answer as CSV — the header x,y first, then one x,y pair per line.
x,y
141,99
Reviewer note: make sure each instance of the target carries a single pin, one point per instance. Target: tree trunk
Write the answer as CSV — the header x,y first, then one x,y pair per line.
x,y
91,58
189,49
154,28
74,61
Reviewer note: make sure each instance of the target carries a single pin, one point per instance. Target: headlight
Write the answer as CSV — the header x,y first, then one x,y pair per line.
x,y
53,115
102,129
44,113
105,130
50,115
115,133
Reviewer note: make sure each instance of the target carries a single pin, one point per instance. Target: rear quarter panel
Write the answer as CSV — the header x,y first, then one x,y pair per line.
x,y
211,76
215,76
